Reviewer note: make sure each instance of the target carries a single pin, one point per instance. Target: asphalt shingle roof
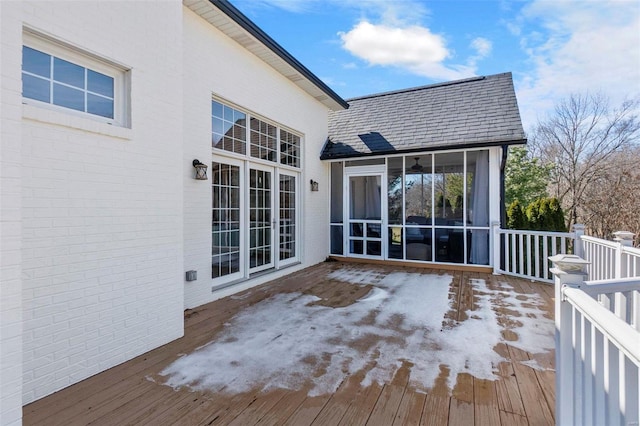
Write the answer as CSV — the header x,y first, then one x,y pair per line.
x,y
479,111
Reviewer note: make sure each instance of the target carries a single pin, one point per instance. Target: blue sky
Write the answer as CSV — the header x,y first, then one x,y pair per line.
x,y
552,47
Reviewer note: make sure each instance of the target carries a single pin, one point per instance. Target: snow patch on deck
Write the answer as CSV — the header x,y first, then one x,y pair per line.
x,y
288,342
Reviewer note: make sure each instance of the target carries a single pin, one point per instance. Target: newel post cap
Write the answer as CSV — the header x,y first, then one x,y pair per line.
x,y
624,237
569,263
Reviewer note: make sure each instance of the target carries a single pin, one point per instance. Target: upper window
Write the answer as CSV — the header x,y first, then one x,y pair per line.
x,y
55,81
229,127
55,74
289,149
263,140
232,128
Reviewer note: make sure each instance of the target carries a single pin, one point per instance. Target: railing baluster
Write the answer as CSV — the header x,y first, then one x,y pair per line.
x,y
587,377
521,257
514,256
635,319
578,367
599,391
631,392
537,249
612,382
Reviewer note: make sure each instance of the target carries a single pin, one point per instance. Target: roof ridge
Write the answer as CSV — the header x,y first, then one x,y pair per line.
x,y
428,86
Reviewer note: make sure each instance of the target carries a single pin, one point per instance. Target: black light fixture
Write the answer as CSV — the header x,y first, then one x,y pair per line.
x,y
201,170
314,185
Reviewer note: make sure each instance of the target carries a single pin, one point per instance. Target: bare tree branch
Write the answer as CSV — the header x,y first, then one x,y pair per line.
x,y
579,142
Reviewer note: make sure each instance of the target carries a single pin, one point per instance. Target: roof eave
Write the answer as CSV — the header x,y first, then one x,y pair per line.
x,y
325,156
275,56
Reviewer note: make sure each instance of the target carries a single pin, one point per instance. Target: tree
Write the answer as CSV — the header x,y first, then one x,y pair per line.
x,y
578,141
526,178
613,200
516,218
543,214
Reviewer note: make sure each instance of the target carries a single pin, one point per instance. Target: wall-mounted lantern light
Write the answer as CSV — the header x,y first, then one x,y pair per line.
x,y
314,185
201,170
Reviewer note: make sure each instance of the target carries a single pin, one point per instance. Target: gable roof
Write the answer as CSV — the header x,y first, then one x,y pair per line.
x,y
475,112
233,23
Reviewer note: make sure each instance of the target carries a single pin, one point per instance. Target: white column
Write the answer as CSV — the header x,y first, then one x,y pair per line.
x,y
496,247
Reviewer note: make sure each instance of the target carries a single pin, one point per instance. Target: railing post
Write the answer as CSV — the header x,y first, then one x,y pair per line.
x,y
497,250
568,270
578,232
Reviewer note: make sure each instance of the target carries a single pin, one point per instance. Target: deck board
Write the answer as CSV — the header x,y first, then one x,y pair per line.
x,y
133,393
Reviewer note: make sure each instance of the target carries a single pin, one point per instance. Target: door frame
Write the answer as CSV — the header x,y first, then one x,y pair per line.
x,y
374,170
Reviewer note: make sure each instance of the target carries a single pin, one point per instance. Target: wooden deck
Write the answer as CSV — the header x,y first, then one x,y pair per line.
x,y
132,394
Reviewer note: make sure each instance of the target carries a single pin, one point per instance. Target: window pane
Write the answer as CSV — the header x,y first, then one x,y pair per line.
x,y
216,109
449,245
289,148
449,188
394,189
395,242
66,72
100,83
336,192
418,188
478,188
365,197
263,140
418,243
36,62
35,88
336,240
68,97
227,114
99,106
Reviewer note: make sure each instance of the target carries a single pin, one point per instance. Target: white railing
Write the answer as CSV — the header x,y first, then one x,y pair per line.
x,y
598,338
610,259
526,254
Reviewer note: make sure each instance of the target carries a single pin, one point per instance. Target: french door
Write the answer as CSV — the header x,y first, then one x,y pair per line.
x,y
254,219
262,220
365,209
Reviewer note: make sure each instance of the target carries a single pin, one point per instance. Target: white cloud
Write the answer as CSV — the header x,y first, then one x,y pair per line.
x,y
482,46
413,48
580,47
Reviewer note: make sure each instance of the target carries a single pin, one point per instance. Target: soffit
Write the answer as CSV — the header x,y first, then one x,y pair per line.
x,y
227,25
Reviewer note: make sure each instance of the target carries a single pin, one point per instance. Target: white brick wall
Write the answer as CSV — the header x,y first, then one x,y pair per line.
x,y
99,222
10,221
215,64
102,206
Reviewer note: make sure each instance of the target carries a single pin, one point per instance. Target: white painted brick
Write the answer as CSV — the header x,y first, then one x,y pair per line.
x,y
100,233
257,88
89,210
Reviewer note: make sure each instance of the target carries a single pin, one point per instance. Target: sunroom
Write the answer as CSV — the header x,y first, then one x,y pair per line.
x,y
416,174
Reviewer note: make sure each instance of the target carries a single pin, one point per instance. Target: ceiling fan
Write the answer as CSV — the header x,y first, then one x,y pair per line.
x,y
417,167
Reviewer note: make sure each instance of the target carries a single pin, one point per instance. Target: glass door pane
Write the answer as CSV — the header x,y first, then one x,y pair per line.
x,y
287,206
225,220
365,216
261,220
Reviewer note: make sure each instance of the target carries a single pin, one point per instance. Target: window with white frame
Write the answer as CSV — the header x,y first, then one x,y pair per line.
x,y
255,216
289,149
231,128
63,77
